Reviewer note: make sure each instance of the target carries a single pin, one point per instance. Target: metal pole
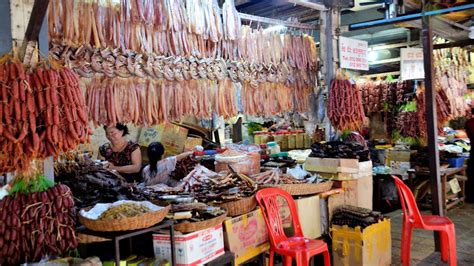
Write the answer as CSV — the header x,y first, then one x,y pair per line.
x,y
326,38
5,28
430,94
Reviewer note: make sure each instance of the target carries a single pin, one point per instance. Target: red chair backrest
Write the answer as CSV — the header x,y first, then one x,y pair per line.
x,y
268,201
410,209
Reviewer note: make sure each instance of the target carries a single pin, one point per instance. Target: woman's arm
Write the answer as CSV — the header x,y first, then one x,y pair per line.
x,y
134,167
183,155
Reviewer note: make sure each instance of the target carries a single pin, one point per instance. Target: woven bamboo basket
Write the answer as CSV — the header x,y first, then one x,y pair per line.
x,y
125,224
302,189
239,207
189,227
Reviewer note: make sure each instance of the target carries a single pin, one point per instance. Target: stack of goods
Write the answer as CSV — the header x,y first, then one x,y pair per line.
x,y
355,216
37,219
451,67
345,109
42,113
208,186
91,183
338,149
186,42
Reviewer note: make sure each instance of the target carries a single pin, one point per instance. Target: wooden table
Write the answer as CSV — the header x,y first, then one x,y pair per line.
x,y
446,175
121,235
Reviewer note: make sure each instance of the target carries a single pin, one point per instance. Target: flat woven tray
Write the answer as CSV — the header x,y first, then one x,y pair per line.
x,y
302,189
239,207
132,223
188,227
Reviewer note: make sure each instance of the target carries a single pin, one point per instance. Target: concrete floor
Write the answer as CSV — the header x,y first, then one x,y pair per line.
x,y
422,244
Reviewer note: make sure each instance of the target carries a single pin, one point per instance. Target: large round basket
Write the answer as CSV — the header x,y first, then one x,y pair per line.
x,y
303,189
239,207
188,227
132,223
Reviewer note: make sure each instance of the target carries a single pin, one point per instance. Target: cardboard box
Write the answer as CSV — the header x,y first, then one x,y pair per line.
x,y
191,143
309,211
399,155
246,236
195,248
335,166
357,192
372,246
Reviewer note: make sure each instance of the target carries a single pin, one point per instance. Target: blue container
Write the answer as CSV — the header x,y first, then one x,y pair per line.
x,y
456,162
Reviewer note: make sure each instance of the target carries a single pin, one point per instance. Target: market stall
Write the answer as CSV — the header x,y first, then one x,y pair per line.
x,y
144,133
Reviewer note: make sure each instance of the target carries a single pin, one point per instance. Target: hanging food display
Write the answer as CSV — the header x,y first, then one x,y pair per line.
x,y
43,113
345,110
37,220
378,96
167,40
451,68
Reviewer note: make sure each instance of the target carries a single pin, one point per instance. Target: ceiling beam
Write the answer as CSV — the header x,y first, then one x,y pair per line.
x,y
392,46
393,73
306,3
278,22
462,43
385,61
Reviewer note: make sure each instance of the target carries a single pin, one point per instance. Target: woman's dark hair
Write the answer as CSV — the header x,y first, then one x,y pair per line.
x,y
120,127
155,152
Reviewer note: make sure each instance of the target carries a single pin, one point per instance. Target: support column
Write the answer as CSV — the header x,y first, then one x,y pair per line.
x,y
5,27
431,118
330,28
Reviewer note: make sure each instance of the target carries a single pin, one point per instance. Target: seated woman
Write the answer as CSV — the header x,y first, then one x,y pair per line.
x,y
122,155
158,171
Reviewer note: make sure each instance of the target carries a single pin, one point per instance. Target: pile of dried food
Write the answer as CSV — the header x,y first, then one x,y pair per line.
x,y
183,168
91,183
206,185
355,216
275,176
36,219
338,149
124,210
194,212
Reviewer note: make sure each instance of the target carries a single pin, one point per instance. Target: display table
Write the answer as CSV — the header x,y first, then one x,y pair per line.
x,y
121,235
446,175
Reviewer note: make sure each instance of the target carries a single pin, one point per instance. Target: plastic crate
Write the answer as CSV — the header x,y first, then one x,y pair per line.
x,y
456,162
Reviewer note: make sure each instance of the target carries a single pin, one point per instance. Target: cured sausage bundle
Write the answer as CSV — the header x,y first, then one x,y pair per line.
x,y
37,224
42,113
149,102
378,96
345,110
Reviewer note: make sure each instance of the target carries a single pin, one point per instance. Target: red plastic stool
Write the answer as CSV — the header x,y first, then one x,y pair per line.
x,y
297,247
413,219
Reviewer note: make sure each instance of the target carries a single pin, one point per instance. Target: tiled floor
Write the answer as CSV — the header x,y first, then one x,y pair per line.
x,y
422,244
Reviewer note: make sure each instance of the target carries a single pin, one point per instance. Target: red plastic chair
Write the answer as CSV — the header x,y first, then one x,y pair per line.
x,y
413,219
297,247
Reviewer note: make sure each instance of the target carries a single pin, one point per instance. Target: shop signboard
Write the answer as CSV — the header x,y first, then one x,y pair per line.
x,y
353,54
411,64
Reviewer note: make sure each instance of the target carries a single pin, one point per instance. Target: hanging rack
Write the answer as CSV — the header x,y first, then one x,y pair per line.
x,y
296,25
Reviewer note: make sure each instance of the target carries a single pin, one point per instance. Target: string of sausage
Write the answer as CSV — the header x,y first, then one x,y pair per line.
x,y
42,113
345,110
